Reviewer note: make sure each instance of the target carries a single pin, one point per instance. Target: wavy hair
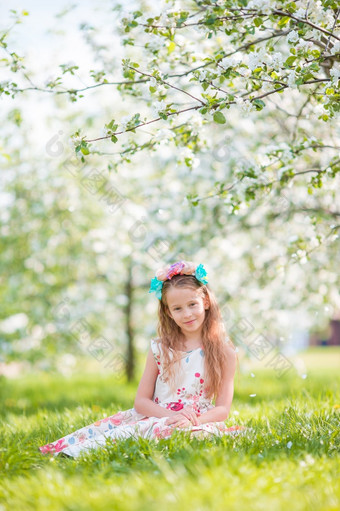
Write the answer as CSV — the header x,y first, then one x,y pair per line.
x,y
213,336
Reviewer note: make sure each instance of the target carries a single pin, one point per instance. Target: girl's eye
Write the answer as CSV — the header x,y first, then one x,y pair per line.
x,y
178,308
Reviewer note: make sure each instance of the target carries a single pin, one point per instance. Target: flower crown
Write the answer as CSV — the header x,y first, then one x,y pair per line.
x,y
179,268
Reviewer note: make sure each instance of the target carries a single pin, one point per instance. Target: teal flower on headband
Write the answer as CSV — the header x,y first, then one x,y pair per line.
x,y
156,285
200,274
180,268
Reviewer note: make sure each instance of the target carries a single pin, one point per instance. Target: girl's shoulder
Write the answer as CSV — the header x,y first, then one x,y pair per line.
x,y
155,341
229,345
155,344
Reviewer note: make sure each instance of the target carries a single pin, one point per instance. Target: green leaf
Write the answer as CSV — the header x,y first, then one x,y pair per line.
x,y
114,139
111,125
283,21
219,118
210,21
171,47
258,22
324,117
84,150
290,60
259,104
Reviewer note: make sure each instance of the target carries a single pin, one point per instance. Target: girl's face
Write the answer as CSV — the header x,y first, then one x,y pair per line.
x,y
187,308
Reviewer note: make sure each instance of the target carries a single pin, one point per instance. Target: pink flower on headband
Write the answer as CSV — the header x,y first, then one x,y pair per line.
x,y
179,268
175,269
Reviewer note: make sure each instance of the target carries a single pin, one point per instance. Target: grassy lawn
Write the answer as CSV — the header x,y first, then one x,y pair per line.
x,y
290,457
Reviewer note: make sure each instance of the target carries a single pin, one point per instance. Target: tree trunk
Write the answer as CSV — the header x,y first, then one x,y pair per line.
x,y
130,361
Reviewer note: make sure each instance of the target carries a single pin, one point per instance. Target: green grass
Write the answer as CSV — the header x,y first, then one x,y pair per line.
x,y
290,457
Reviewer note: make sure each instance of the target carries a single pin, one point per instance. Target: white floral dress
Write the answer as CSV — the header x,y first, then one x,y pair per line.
x,y
129,423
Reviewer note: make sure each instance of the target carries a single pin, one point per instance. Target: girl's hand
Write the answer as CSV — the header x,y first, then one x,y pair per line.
x,y
190,413
186,413
178,421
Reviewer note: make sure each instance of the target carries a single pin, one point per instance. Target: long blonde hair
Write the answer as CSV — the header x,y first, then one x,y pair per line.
x,y
213,336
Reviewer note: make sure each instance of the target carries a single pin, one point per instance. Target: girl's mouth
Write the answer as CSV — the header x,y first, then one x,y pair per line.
x,y
189,322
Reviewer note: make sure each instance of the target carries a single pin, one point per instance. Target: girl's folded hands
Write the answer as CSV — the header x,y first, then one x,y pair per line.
x,y
185,417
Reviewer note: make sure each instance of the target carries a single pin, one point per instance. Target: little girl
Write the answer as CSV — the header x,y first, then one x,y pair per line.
x,y
189,364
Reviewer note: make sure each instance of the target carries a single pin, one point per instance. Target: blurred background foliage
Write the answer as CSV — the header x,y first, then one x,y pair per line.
x,y
77,258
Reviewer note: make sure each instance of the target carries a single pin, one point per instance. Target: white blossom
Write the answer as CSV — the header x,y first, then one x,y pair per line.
x,y
195,162
164,135
335,73
277,60
336,48
75,140
253,61
203,74
156,43
263,5
318,110
266,87
158,106
244,71
196,121
293,36
256,59
286,156
186,152
166,20
153,82
291,79
123,122
300,13
232,61
302,44
323,17
248,106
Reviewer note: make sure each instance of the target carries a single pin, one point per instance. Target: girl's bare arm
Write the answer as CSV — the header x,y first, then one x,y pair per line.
x,y
143,402
225,396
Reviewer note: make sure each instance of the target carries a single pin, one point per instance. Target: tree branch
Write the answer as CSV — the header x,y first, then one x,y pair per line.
x,y
243,47
269,183
169,84
333,28
251,15
76,91
142,124
307,22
